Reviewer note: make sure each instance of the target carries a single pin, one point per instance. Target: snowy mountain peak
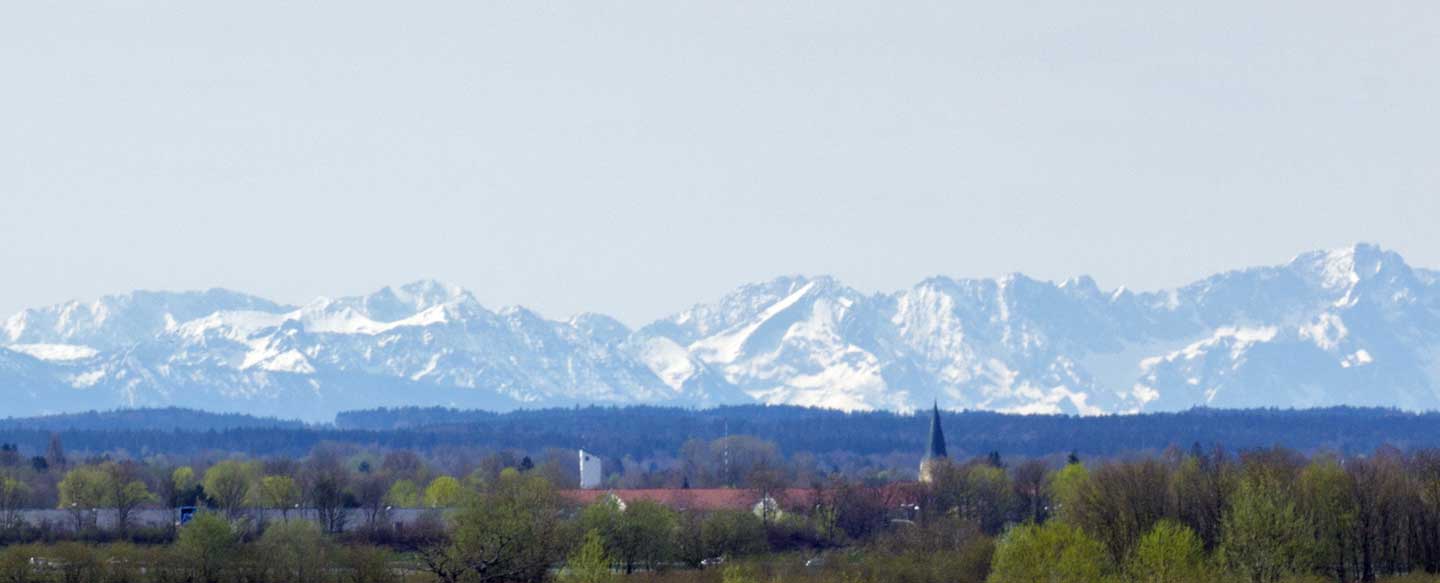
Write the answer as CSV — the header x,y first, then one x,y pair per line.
x,y
391,304
426,293
1345,267
1083,284
124,319
599,326
1354,326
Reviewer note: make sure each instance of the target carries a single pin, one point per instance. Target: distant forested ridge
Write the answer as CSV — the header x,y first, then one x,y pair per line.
x,y
643,432
163,419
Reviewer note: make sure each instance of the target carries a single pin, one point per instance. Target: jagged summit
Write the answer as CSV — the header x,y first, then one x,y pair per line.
x,y
1346,267
390,304
1351,326
120,319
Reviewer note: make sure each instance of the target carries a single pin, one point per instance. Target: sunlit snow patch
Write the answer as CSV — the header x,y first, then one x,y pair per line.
x,y
54,352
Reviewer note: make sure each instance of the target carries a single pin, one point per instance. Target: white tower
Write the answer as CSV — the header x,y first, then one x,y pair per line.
x,y
590,471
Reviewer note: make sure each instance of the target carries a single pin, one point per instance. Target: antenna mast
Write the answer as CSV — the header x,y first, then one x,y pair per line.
x,y
727,454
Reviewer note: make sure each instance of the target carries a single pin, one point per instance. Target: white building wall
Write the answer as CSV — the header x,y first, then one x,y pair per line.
x,y
590,471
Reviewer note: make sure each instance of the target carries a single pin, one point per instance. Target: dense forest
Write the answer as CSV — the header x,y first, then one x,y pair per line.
x,y
639,431
164,419
650,432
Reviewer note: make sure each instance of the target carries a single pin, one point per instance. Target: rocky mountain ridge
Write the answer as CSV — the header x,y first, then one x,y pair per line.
x,y
1354,326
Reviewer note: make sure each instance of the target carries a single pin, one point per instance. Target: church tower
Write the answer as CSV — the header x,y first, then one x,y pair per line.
x,y
935,450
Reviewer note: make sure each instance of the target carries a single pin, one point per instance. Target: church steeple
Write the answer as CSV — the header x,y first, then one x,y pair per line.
x,y
937,435
935,452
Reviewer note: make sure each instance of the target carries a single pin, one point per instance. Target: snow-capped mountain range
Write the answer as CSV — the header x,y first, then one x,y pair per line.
x,y
1356,326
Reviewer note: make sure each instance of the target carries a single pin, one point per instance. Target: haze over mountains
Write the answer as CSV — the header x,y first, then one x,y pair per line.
x,y
1355,326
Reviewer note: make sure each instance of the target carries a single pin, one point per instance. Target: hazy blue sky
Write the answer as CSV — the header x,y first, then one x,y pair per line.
x,y
632,158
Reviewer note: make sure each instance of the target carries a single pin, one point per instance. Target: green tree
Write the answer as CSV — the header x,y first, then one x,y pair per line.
x,y
326,480
732,533
74,562
860,512
13,497
648,534
603,518
480,478
367,564
511,533
279,492
55,453
183,478
403,494
15,564
643,534
988,497
82,493
205,546
296,551
124,491
1264,538
1032,500
228,485
185,486
1054,552
1065,486
1120,503
1382,498
1199,490
404,465
370,492
689,538
124,563
1325,498
1170,553
1425,466
444,492
590,563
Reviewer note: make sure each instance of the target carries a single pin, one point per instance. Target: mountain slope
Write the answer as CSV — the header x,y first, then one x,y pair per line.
x,y
1355,326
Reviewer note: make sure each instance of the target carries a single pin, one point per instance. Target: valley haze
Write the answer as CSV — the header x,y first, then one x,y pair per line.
x,y
1353,326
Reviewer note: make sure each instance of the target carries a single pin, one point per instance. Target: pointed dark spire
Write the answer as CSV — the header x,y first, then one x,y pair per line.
x,y
937,435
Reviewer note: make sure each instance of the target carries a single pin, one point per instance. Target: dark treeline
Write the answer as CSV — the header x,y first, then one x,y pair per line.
x,y
165,419
643,432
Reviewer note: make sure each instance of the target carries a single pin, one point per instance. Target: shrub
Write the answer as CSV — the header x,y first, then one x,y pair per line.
x,y
1052,553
